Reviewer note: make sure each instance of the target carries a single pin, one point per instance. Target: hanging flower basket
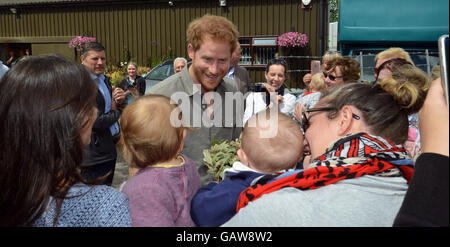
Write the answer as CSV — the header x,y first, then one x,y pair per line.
x,y
79,41
292,45
292,39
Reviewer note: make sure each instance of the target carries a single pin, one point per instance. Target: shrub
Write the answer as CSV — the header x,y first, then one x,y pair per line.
x,y
220,156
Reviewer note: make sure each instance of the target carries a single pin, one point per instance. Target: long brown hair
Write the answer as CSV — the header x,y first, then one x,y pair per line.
x,y
44,103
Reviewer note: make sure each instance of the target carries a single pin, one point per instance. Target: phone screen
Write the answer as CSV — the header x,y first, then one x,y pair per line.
x,y
443,60
315,67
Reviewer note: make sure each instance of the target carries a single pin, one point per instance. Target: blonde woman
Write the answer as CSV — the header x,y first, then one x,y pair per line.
x,y
133,84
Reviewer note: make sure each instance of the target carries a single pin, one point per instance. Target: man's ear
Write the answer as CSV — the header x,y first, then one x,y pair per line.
x,y
82,58
242,156
191,51
345,121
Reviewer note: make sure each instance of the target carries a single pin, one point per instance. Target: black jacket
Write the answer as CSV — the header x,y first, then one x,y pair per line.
x,y
139,84
102,147
426,202
242,79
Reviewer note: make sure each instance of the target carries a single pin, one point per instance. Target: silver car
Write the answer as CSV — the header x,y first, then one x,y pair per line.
x,y
158,74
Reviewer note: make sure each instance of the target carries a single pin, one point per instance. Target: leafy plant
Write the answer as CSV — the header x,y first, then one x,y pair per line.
x,y
143,70
116,74
333,5
220,156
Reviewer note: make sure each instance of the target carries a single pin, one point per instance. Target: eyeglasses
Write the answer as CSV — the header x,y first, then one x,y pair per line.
x,y
305,121
332,77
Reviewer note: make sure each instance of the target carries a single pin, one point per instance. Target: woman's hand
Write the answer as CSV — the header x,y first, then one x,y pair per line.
x,y
271,89
118,95
298,111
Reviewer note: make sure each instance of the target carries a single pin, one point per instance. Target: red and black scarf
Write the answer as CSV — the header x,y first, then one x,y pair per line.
x,y
349,157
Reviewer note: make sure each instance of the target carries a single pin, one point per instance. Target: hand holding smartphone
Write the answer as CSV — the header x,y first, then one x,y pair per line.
x,y
315,67
443,60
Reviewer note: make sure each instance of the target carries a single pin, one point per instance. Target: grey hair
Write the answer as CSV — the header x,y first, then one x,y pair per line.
x,y
180,59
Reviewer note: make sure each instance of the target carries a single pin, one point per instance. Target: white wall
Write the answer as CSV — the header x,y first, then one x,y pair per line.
x,y
332,36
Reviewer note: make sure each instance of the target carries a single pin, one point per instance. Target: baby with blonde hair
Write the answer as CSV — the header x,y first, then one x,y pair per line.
x,y
270,155
310,99
317,83
164,180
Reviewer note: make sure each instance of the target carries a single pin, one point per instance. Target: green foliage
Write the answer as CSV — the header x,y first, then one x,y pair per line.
x,y
153,61
333,6
126,55
220,156
116,74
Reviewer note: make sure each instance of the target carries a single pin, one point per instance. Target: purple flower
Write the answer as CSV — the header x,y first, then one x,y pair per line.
x,y
292,39
79,41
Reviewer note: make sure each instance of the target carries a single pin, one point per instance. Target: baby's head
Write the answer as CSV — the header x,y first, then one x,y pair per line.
x,y
317,83
268,155
148,137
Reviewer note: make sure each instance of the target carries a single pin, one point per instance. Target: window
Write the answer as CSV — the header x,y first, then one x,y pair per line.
x,y
256,51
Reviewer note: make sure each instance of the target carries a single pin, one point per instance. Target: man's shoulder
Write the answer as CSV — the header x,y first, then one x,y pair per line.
x,y
229,85
168,86
241,72
238,69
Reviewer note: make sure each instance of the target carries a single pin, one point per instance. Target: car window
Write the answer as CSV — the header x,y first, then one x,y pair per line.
x,y
160,73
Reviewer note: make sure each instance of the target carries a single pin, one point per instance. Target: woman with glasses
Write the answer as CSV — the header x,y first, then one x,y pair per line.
x,y
337,71
341,70
360,170
416,76
386,69
275,76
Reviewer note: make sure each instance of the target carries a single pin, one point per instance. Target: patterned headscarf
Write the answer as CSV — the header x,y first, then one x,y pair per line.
x,y
350,157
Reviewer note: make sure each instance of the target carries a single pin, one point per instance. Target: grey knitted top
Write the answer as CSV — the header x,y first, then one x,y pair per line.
x,y
89,206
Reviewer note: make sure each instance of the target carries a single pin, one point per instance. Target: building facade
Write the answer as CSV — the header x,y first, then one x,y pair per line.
x,y
148,31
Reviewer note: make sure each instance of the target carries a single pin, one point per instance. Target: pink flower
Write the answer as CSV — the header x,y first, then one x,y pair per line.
x,y
79,41
292,39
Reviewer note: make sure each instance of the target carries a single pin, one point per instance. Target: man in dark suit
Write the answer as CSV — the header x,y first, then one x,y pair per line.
x,y
100,157
238,73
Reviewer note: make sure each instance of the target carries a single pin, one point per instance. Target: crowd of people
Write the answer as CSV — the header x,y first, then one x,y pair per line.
x,y
344,153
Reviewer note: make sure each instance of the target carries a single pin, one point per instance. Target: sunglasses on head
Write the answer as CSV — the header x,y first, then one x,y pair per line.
x,y
395,62
305,122
325,75
277,61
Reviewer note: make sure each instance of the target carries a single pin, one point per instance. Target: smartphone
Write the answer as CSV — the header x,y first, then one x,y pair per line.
x,y
443,60
258,87
315,67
